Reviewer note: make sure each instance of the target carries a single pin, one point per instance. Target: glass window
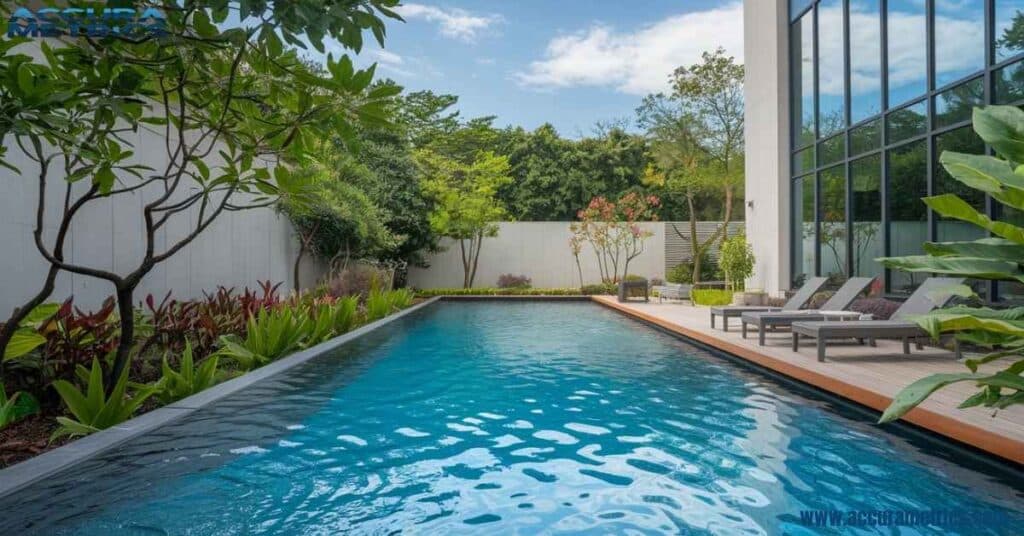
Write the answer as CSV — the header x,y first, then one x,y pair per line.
x,y
908,215
831,68
803,229
866,182
802,85
803,161
961,140
866,137
959,40
865,59
797,6
833,222
956,104
1009,29
907,51
832,150
907,122
1010,84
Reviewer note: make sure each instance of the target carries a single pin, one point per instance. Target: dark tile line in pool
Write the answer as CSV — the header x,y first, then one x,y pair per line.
x,y
22,474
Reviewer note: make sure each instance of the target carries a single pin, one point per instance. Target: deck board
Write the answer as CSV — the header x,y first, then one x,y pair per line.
x,y
868,376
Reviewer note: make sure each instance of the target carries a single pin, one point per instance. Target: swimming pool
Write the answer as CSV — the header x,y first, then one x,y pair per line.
x,y
514,418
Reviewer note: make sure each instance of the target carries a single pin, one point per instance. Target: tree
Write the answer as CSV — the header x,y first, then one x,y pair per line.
x,y
223,99
712,93
614,233
466,207
334,219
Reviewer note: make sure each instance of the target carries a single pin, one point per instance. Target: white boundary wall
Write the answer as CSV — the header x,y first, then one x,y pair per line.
x,y
237,250
538,250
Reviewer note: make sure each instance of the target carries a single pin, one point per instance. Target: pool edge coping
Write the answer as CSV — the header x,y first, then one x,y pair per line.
x,y
1004,448
32,470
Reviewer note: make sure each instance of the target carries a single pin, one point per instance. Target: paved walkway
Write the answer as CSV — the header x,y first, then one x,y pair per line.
x,y
869,376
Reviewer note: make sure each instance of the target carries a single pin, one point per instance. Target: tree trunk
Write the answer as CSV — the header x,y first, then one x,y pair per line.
x,y
695,246
579,268
465,262
298,264
727,214
476,258
126,312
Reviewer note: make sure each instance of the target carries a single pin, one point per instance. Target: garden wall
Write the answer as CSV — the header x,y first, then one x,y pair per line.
x,y
236,250
538,250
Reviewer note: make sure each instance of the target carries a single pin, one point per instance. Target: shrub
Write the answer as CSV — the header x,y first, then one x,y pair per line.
x,y
94,410
187,380
513,281
270,335
736,259
382,303
359,280
634,277
18,406
683,272
599,290
711,296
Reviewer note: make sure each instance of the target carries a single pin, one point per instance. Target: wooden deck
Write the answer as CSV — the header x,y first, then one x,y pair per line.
x,y
868,376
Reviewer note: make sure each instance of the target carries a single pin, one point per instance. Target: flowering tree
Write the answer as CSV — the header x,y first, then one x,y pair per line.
x,y
614,232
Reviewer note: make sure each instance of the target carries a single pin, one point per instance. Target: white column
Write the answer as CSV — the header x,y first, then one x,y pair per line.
x,y
766,57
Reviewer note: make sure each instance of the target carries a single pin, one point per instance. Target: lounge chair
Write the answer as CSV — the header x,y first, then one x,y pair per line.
x,y
922,301
840,301
673,291
796,302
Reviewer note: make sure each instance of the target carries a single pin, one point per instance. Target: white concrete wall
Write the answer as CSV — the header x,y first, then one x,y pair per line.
x,y
237,250
767,141
538,250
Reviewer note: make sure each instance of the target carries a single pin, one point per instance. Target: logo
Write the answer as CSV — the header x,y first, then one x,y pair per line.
x,y
90,22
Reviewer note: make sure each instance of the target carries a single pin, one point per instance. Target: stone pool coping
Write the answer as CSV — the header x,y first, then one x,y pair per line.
x,y
22,474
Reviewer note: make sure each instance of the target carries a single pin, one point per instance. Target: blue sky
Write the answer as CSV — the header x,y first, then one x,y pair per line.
x,y
568,62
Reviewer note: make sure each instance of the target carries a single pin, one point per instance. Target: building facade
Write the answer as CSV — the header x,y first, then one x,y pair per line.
x,y
865,96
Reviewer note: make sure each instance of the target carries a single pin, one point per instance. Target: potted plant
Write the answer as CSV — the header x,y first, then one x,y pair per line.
x,y
736,260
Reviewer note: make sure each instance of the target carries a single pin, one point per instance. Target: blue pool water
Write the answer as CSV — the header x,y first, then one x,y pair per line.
x,y
505,418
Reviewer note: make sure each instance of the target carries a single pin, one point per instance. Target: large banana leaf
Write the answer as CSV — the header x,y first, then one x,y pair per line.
x,y
988,174
942,321
917,392
990,248
1002,127
976,267
951,206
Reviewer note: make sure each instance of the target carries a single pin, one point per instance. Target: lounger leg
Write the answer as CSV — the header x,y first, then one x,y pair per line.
x,y
796,341
821,349
860,341
712,320
743,328
873,342
919,344
956,348
725,322
760,334
906,346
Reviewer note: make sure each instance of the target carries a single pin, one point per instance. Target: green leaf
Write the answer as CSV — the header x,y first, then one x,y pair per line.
x,y
951,206
105,179
1002,127
976,267
202,24
22,342
912,395
991,248
26,80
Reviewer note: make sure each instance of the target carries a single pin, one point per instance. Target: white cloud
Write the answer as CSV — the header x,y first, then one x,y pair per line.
x,y
453,22
637,62
387,58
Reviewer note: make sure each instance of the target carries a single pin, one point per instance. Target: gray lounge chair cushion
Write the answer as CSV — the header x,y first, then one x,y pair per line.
x,y
861,329
795,302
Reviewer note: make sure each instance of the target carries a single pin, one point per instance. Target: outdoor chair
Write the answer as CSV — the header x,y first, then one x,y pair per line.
x,y
795,303
673,291
833,309
927,297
